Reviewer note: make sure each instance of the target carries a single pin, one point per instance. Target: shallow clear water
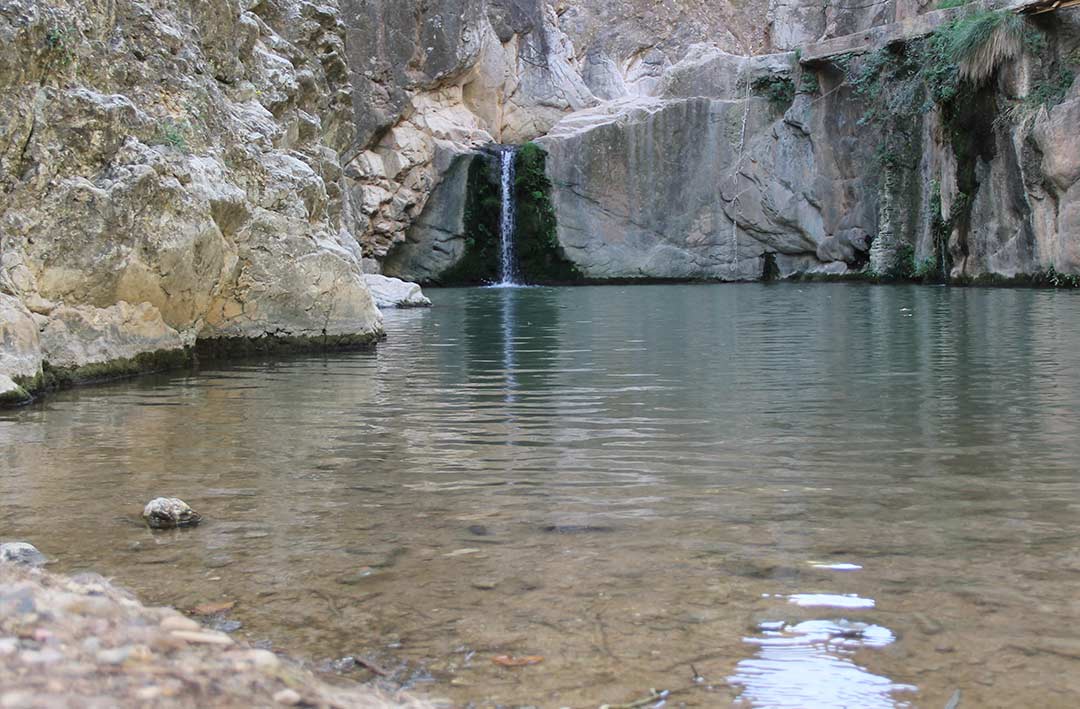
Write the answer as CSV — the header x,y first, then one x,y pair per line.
x,y
818,496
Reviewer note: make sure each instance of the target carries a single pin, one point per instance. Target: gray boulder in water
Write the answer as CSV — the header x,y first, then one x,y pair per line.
x,y
169,513
21,553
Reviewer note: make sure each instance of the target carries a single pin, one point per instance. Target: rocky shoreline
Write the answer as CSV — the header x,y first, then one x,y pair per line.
x,y
42,354
80,641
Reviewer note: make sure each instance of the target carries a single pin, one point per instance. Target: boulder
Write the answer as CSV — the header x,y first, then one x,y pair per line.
x,y
395,293
11,394
80,336
21,553
169,513
168,184
20,347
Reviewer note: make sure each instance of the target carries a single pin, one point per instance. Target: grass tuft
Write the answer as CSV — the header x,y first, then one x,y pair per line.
x,y
980,43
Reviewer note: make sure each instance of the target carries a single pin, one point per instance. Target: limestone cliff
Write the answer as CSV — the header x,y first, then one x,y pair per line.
x,y
171,173
695,159
219,173
436,81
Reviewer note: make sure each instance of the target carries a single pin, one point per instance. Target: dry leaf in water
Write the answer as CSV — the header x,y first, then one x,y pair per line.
x,y
212,608
524,660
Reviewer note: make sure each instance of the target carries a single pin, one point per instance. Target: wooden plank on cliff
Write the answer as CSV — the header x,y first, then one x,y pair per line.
x,y
1038,8
916,27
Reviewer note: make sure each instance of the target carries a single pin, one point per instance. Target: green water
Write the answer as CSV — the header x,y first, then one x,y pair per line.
x,y
819,496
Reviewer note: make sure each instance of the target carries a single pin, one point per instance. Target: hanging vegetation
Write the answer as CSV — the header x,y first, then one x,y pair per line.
x,y
981,42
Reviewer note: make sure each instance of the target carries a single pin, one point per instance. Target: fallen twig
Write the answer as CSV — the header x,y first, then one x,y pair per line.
x,y
654,696
371,666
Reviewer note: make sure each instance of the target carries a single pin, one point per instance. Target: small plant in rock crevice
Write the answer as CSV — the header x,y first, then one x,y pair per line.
x,y
60,45
779,89
1048,92
809,83
174,134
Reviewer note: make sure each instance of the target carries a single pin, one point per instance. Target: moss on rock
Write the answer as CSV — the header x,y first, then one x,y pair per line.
x,y
229,347
143,363
480,264
540,256
14,396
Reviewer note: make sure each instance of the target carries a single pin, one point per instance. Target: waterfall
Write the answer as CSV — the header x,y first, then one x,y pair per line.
x,y
507,222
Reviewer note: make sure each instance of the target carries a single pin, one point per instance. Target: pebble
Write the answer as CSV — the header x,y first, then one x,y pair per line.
x,y
148,693
115,656
359,577
264,659
462,552
207,638
483,584
41,657
926,624
179,622
169,513
288,697
226,626
344,664
8,646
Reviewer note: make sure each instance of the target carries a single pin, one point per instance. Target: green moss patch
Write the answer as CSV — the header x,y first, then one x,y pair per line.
x,y
15,397
540,256
237,347
779,89
483,205
143,363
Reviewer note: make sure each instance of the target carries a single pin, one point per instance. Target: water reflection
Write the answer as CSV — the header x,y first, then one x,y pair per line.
x,y
831,600
809,665
622,480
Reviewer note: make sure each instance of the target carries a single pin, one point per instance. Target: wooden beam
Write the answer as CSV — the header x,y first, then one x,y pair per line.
x,y
919,26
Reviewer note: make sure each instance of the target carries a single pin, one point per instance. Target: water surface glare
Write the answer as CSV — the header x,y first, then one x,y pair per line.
x,y
828,495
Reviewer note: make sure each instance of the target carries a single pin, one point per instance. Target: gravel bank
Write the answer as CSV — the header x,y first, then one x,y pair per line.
x,y
81,642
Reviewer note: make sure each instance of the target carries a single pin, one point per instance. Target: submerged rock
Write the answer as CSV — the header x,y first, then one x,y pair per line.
x,y
577,529
169,513
395,293
21,553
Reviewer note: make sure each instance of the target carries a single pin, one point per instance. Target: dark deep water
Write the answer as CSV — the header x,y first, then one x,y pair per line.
x,y
817,496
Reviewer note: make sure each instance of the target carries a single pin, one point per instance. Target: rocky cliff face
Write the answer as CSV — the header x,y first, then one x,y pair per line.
x,y
221,172
694,161
171,173
436,81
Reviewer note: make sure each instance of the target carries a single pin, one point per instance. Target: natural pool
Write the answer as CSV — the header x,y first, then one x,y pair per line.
x,y
781,495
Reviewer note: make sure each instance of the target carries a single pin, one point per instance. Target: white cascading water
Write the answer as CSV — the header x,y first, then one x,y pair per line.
x,y
507,276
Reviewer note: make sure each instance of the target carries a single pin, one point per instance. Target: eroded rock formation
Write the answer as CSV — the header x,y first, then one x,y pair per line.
x,y
172,173
696,162
224,172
